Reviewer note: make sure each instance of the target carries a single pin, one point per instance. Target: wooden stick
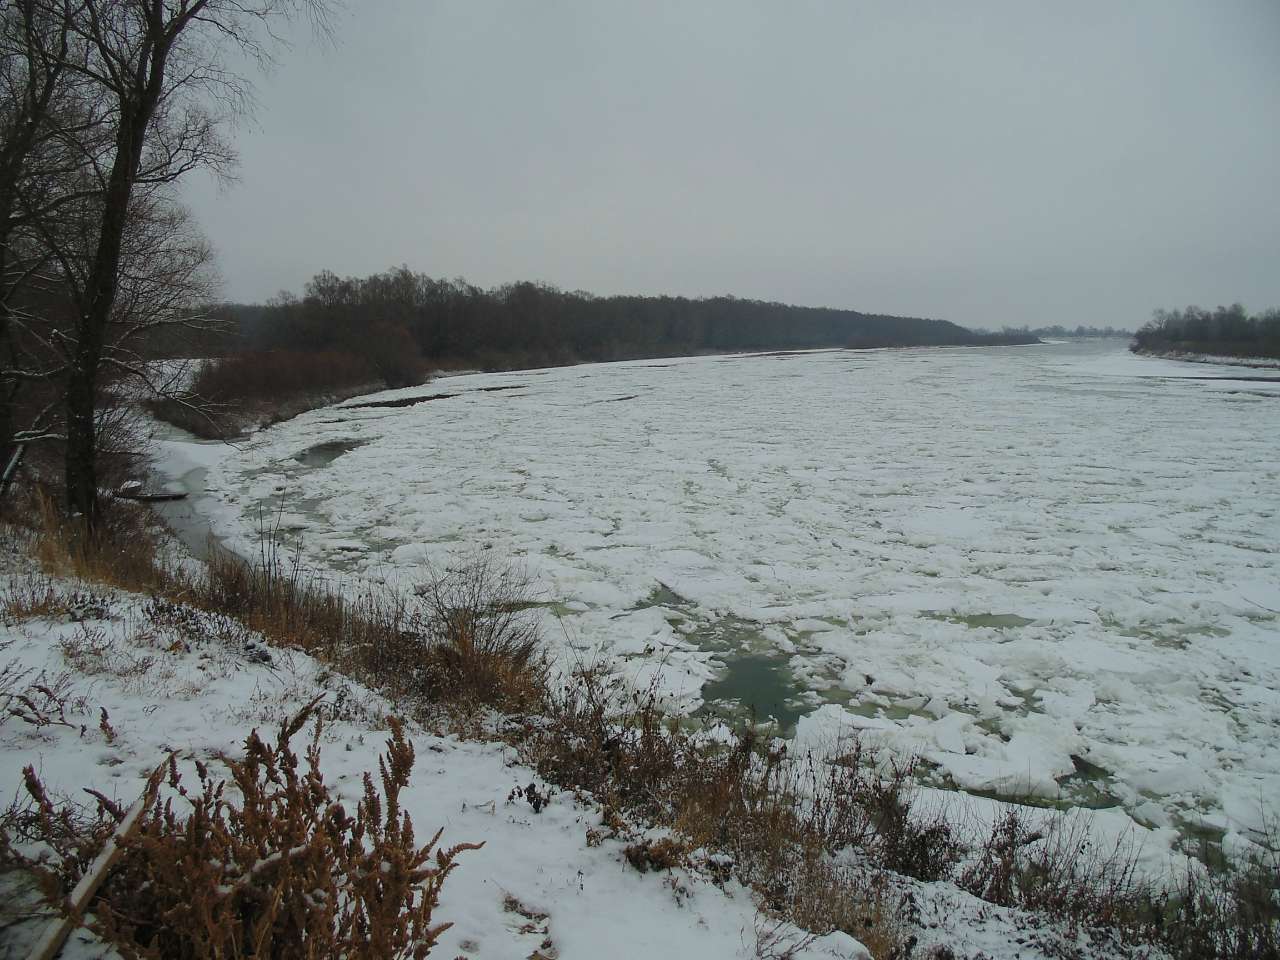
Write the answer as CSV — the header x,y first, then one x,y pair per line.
x,y
12,468
56,933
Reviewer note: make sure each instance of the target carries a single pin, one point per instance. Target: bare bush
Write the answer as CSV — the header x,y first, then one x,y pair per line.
x,y
1058,870
272,375
1234,916
482,647
227,392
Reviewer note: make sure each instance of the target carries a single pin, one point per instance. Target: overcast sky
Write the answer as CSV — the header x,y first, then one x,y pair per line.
x,y
987,163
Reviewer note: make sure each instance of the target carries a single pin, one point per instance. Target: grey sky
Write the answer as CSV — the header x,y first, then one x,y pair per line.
x,y
988,163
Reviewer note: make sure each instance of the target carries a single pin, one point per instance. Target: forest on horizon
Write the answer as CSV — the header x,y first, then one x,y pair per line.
x,y
452,319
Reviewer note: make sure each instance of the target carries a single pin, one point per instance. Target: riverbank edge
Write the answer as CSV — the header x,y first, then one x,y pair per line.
x,y
1257,363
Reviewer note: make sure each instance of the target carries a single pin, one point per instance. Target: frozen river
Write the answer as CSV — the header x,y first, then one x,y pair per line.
x,y
1046,570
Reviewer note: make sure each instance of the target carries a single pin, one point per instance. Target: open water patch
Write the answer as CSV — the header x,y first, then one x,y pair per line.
x,y
759,687
187,521
398,401
323,454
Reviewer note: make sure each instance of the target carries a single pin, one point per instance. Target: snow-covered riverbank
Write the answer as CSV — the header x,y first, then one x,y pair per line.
x,y
117,683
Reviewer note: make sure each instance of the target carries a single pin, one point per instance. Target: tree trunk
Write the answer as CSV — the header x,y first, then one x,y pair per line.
x,y
81,467
81,462
7,390
6,423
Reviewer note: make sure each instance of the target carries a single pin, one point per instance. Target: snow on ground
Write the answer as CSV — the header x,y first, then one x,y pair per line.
x,y
200,690
1218,360
1048,570
204,701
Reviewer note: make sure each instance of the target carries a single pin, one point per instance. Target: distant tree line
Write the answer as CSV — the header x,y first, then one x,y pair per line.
x,y
394,325
1058,331
1225,331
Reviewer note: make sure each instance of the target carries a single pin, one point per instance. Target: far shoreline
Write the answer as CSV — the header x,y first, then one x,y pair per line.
x,y
1186,356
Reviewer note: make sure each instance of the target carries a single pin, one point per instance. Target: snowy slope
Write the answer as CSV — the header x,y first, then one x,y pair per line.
x,y
536,887
203,703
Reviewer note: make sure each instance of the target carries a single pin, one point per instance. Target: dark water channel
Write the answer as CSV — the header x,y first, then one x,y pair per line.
x,y
188,523
323,454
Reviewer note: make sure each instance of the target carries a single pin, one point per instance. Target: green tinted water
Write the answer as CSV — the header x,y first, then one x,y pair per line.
x,y
756,686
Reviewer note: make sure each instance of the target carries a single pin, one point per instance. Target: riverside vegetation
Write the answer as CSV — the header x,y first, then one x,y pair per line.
x,y
829,843
1225,331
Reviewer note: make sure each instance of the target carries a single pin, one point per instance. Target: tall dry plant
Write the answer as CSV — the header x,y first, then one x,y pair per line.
x,y
268,863
482,647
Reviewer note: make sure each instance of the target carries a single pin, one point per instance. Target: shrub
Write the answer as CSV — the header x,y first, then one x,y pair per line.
x,y
272,375
270,864
481,647
244,388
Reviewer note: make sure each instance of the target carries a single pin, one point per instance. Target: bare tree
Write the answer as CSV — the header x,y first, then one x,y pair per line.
x,y
165,281
162,66
37,44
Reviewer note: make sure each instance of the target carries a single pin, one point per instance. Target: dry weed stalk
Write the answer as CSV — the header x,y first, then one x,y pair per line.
x,y
272,867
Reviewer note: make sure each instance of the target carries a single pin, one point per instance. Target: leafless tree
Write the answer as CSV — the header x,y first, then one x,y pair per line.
x,y
165,279
41,100
161,65
106,103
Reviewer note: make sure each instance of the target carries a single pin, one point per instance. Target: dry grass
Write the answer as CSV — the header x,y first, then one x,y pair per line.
x,y
466,643
121,554
32,598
